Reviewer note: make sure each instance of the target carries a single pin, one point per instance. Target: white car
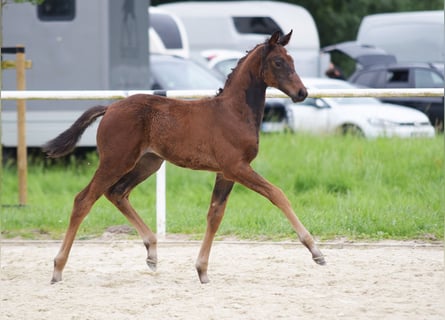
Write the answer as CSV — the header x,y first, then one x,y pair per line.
x,y
367,117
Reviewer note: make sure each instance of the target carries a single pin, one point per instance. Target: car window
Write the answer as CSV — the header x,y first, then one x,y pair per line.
x,y
424,78
440,67
257,25
183,75
397,78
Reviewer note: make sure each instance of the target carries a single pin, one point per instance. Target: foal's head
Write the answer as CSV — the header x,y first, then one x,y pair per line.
x,y
278,69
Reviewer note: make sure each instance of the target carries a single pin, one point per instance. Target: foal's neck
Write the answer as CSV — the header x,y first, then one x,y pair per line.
x,y
247,85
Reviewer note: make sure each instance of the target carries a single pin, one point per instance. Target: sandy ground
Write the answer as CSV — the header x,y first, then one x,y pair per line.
x,y
109,280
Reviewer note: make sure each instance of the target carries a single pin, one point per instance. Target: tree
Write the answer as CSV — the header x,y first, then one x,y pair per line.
x,y
339,20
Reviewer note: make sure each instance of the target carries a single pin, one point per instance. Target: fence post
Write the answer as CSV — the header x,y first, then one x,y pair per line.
x,y
160,201
22,164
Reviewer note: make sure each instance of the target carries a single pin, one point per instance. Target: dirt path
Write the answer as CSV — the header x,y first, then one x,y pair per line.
x,y
109,280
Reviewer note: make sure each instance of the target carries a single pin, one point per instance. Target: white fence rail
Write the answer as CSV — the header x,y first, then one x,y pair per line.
x,y
186,94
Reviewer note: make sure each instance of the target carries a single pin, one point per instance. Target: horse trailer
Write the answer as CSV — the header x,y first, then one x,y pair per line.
x,y
81,45
240,25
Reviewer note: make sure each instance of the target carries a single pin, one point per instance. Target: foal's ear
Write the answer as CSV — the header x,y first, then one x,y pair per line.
x,y
274,38
284,40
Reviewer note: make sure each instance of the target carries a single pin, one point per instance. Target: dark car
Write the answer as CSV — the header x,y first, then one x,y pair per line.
x,y
407,75
379,69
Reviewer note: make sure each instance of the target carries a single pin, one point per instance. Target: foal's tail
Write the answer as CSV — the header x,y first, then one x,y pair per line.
x,y
65,142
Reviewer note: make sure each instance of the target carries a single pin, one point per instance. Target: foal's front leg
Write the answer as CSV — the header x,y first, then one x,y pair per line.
x,y
245,175
221,192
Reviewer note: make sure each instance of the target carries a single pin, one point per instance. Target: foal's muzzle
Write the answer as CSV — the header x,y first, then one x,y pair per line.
x,y
300,96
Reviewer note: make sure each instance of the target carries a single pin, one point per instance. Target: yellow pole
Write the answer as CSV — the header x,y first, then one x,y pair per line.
x,y
21,127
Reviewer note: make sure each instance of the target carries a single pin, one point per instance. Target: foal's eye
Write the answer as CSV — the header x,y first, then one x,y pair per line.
x,y
278,63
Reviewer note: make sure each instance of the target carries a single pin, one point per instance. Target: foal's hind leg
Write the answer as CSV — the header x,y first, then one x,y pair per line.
x,y
221,192
118,195
111,169
82,206
245,175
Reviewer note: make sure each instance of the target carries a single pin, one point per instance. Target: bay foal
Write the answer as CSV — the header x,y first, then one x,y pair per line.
x,y
219,134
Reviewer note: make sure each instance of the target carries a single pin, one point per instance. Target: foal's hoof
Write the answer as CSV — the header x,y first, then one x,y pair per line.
x,y
57,276
319,260
203,278
54,280
151,264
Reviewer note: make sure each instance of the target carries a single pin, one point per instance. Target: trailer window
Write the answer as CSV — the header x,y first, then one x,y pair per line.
x,y
258,25
56,10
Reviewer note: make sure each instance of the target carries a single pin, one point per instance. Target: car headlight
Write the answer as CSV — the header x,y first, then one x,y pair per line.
x,y
377,122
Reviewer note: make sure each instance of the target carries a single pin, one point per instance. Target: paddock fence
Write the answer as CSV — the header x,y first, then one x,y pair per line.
x,y
197,94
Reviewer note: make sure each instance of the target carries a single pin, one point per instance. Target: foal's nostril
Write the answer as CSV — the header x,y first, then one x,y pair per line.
x,y
302,93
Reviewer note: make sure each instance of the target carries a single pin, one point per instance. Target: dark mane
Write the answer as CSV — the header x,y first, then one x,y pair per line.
x,y
234,70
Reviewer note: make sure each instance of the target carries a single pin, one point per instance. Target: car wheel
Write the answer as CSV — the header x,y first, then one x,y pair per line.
x,y
351,130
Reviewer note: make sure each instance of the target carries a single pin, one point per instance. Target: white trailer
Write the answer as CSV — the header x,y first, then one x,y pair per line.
x,y
415,36
240,25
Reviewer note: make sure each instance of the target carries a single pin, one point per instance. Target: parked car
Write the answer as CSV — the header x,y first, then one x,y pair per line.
x,y
366,117
378,69
222,61
407,75
170,72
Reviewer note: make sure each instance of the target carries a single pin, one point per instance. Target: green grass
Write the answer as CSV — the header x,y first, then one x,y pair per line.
x,y
339,187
